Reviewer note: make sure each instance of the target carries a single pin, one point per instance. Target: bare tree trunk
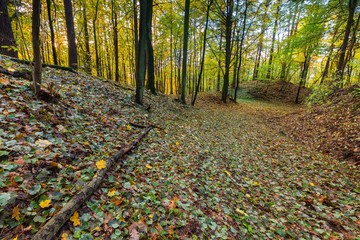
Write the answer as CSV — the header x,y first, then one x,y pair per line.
x,y
268,75
149,47
7,40
97,58
140,68
185,51
52,34
72,49
36,45
228,29
87,42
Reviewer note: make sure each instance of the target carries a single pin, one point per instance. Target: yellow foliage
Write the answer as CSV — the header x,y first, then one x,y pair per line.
x,y
100,164
148,166
16,213
75,219
44,204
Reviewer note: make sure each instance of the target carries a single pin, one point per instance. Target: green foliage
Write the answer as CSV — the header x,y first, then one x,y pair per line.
x,y
319,94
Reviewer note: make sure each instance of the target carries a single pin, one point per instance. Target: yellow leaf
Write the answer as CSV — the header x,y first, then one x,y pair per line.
x,y
43,143
228,173
15,238
240,212
128,127
148,166
111,193
64,236
247,195
177,143
16,213
255,183
75,219
311,184
45,203
100,164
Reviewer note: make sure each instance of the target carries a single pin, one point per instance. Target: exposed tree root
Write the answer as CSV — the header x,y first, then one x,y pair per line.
x,y
49,230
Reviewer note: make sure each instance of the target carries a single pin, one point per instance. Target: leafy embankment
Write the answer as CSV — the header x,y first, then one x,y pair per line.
x,y
214,172
332,128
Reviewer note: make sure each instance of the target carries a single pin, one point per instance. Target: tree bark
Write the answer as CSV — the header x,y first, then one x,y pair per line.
x,y
268,75
342,61
228,28
203,52
52,34
36,45
7,40
87,41
140,68
149,47
185,51
70,30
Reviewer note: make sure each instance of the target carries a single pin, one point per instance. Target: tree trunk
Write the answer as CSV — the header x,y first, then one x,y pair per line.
x,y
241,49
342,61
228,29
97,58
140,68
303,76
136,36
7,40
268,75
36,45
87,42
114,21
203,52
52,34
70,30
149,47
185,51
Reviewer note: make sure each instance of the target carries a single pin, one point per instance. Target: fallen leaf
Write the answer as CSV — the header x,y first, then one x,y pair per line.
x,y
111,193
241,212
228,173
134,234
64,236
148,166
43,143
4,81
100,164
45,203
75,219
311,184
172,204
128,127
16,213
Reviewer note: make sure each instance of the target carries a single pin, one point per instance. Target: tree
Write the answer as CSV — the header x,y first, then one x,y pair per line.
x,y
185,51
352,4
70,30
36,45
228,31
87,41
149,48
7,40
203,52
140,63
52,34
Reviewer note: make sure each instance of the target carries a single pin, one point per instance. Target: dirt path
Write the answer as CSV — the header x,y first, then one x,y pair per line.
x,y
223,172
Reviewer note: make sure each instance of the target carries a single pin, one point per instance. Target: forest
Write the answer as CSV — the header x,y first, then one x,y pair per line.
x,y
170,119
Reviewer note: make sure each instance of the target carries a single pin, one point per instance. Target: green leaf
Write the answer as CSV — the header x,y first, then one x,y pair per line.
x,y
4,153
39,219
280,232
4,198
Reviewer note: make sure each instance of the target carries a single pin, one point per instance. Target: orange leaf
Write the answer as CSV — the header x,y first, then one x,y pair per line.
x,y
75,219
172,204
100,164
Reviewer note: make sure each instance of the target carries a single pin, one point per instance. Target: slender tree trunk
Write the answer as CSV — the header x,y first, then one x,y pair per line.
x,y
203,52
228,30
171,58
342,61
72,49
268,75
185,51
36,45
149,47
114,21
97,58
136,36
7,40
219,66
52,34
87,42
140,68
241,49
303,76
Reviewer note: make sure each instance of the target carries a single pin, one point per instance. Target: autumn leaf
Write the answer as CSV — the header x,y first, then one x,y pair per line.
x,y
241,212
172,204
75,219
43,143
311,184
45,203
111,193
177,143
228,173
16,213
100,164
4,81
64,236
148,166
128,127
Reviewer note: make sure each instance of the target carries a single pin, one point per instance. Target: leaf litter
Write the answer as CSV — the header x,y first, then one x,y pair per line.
x,y
213,172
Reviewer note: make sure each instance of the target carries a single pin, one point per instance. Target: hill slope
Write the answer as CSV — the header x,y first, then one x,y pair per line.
x,y
214,172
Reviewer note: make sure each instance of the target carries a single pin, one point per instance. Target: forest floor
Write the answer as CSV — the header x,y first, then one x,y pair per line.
x,y
214,171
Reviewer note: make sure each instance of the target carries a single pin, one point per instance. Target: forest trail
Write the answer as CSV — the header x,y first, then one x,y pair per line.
x,y
214,171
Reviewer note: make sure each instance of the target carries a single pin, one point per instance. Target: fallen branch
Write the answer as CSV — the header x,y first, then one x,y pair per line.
x,y
49,230
143,126
43,65
26,74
